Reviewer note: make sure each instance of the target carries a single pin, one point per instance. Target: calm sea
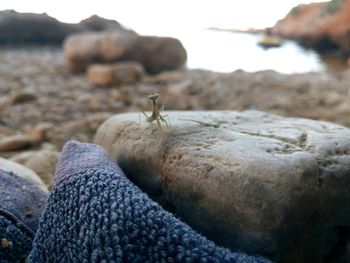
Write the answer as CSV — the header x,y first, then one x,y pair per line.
x,y
224,51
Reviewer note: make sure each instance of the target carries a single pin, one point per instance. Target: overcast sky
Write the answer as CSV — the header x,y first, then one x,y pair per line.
x,y
161,15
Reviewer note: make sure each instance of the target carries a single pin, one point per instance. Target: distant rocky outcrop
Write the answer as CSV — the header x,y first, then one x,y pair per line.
x,y
323,26
29,28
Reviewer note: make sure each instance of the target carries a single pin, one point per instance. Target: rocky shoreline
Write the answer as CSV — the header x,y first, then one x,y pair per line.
x,y
39,91
76,107
323,26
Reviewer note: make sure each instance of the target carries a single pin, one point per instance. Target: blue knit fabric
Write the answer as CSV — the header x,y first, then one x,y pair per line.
x,y
14,243
21,205
95,214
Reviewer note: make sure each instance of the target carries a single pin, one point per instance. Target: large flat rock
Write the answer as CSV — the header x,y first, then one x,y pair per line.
x,y
248,180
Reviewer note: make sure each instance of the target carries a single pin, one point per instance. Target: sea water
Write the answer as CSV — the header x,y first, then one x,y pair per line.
x,y
225,51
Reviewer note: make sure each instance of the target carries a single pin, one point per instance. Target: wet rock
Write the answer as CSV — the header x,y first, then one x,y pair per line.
x,y
115,74
22,141
21,205
156,54
30,28
42,162
266,184
21,171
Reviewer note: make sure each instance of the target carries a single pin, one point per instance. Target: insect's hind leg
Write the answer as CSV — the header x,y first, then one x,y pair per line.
x,y
160,126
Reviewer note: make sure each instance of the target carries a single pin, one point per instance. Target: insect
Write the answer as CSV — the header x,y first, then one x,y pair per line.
x,y
157,108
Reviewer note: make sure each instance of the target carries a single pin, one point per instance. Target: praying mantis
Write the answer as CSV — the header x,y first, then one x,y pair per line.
x,y
157,108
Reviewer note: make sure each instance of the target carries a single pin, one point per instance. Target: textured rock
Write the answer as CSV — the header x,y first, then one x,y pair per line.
x,y
115,74
21,205
42,162
21,171
29,28
260,182
154,53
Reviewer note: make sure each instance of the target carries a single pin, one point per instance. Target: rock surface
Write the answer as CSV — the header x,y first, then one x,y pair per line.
x,y
115,74
30,28
21,171
42,162
324,26
270,185
154,53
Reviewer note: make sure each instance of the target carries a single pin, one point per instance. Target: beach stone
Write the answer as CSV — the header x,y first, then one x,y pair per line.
x,y
249,180
23,96
42,162
22,171
115,74
156,54
22,141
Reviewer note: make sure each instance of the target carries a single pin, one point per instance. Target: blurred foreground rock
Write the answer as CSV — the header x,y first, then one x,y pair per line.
x,y
29,28
22,171
43,162
115,74
154,53
266,184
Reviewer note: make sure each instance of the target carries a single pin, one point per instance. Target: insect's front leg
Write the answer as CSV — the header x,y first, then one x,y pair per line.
x,y
144,113
164,120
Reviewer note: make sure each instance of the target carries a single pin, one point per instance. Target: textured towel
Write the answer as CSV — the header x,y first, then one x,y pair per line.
x,y
21,205
95,214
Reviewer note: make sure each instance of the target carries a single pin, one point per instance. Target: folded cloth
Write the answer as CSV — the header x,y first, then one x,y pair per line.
x,y
95,214
21,205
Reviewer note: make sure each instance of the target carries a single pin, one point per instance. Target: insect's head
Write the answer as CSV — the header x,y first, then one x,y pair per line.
x,y
153,96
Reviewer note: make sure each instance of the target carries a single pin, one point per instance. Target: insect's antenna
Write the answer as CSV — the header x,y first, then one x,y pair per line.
x,y
160,85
